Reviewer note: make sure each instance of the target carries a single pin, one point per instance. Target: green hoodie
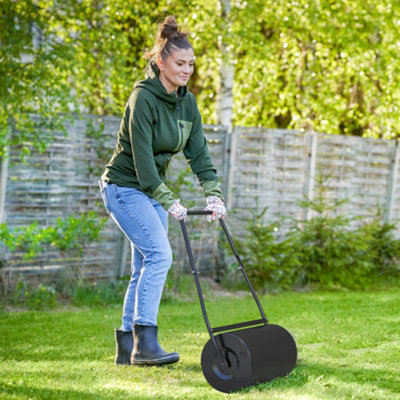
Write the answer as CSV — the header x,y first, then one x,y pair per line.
x,y
155,126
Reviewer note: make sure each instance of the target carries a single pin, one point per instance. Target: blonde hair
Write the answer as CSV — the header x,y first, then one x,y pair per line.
x,y
169,38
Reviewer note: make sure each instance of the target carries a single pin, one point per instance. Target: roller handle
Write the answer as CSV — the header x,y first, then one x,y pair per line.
x,y
199,212
211,330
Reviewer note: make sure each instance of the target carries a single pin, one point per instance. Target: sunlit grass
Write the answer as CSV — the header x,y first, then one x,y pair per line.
x,y
349,348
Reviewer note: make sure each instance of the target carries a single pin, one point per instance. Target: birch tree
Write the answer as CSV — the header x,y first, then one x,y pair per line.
x,y
226,70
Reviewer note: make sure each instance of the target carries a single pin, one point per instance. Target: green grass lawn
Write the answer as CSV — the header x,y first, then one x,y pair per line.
x,y
349,348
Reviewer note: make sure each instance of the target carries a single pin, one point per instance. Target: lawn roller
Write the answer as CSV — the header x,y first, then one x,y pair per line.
x,y
245,353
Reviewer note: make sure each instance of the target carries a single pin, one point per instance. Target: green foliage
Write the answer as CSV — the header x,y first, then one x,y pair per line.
x,y
6,238
35,298
29,239
34,74
71,236
328,249
383,246
322,65
98,294
319,65
75,233
48,295
72,233
330,253
268,262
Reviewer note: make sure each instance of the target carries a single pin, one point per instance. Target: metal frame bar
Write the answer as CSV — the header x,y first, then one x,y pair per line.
x,y
239,325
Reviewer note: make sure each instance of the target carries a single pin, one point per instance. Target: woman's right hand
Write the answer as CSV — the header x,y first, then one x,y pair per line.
x,y
177,210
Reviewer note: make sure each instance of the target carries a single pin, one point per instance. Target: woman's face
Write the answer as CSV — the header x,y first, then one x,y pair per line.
x,y
176,69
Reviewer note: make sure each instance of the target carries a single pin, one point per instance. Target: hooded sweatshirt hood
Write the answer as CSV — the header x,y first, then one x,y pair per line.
x,y
153,84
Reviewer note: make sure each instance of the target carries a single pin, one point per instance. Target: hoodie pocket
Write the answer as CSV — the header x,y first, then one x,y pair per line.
x,y
184,129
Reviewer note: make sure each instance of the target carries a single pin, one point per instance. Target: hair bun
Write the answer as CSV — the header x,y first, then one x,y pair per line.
x,y
169,28
169,38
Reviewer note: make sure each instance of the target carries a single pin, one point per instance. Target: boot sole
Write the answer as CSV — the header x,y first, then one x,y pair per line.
x,y
156,361
122,362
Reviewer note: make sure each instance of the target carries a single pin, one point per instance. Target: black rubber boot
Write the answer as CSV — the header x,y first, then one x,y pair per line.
x,y
146,349
124,346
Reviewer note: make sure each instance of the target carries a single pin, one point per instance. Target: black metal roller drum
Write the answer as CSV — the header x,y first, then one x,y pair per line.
x,y
252,356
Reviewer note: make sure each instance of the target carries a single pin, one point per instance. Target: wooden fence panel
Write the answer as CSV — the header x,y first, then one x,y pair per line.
x,y
270,170
266,168
56,184
356,169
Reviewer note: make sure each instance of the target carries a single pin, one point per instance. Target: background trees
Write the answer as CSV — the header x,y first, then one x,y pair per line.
x,y
321,64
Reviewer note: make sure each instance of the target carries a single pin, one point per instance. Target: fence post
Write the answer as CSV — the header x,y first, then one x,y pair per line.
x,y
393,175
311,166
230,154
3,185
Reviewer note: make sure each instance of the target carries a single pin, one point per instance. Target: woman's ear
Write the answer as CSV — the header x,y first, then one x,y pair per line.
x,y
160,64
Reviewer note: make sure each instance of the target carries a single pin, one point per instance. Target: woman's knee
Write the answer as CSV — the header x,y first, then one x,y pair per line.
x,y
165,256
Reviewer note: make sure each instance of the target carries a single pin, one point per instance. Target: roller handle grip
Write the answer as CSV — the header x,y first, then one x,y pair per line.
x,y
199,212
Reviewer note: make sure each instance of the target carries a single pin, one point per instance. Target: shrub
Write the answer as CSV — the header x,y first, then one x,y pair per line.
x,y
339,250
268,262
329,249
71,236
384,248
329,253
35,298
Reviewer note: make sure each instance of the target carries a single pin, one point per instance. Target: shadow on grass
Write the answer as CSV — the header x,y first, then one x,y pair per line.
x,y
303,372
41,393
297,378
58,353
23,391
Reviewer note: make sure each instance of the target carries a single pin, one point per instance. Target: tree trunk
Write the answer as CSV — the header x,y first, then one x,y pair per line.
x,y
227,72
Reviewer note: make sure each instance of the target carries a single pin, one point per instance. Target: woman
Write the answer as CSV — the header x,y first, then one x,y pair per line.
x,y
160,119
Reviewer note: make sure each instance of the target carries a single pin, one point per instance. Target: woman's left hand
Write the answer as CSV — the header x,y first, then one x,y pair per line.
x,y
177,210
217,206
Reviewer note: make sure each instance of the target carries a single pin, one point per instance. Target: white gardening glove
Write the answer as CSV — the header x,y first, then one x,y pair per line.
x,y
177,210
217,206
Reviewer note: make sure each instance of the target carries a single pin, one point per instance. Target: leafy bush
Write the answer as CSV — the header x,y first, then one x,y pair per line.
x,y
35,298
329,249
71,236
331,254
384,248
268,262
71,233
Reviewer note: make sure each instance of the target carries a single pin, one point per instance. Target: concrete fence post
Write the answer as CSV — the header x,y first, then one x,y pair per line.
x,y
393,177
310,172
3,187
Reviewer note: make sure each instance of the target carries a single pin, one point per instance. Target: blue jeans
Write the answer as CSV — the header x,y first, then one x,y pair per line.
x,y
145,223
